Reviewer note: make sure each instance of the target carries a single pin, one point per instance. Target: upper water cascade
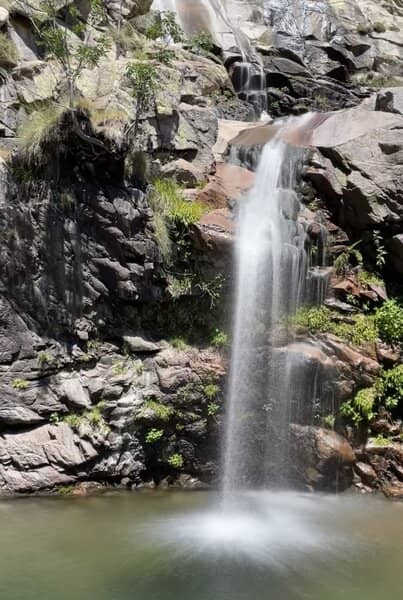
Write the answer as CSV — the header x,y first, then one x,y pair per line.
x,y
228,21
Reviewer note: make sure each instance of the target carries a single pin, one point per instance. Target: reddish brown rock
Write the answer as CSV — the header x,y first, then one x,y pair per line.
x,y
321,459
229,183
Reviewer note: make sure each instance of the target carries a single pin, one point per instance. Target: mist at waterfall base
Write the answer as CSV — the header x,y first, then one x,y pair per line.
x,y
172,545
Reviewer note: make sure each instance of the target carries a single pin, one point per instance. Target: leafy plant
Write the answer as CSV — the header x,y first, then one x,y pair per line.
x,y
329,421
44,358
20,384
366,279
389,320
176,461
54,418
362,330
389,387
178,343
379,249
72,53
211,390
203,40
219,339
119,367
381,441
161,411
212,409
212,289
166,27
143,79
350,257
360,409
313,319
154,435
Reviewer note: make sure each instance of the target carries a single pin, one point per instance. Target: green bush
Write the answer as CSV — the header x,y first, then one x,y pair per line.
x,y
366,279
20,384
219,339
211,390
389,320
313,319
165,26
362,330
178,343
212,409
349,258
44,358
360,410
176,461
389,387
161,411
202,40
154,435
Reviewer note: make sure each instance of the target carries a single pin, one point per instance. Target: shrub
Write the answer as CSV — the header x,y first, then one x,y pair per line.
x,y
362,330
389,320
219,339
165,26
119,368
349,258
202,40
360,409
143,79
329,421
178,343
389,387
161,411
366,279
154,435
8,52
176,461
44,358
313,319
212,409
211,390
20,384
73,420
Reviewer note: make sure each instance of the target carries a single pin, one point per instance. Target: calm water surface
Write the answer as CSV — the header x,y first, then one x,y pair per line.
x,y
181,546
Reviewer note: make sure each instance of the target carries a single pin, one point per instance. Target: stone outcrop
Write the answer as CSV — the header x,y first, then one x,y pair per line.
x,y
320,458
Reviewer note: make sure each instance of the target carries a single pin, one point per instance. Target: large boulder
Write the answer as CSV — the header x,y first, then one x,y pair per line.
x,y
320,458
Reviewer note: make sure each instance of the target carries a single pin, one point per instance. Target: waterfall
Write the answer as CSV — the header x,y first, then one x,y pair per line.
x,y
272,268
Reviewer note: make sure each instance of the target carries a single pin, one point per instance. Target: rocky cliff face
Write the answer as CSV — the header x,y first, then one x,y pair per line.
x,y
112,358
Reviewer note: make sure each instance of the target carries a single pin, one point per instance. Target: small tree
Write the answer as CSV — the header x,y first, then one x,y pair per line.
x,y
143,79
165,27
64,35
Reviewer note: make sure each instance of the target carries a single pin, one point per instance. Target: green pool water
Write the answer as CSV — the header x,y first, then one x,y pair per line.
x,y
188,546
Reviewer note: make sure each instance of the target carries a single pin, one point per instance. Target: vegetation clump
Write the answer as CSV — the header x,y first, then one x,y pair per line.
x,y
154,435
219,339
389,321
176,461
20,384
161,411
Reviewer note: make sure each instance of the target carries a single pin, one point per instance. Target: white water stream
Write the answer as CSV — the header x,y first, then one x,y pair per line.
x,y
272,266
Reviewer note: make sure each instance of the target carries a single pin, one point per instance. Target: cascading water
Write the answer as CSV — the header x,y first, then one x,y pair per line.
x,y
271,273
